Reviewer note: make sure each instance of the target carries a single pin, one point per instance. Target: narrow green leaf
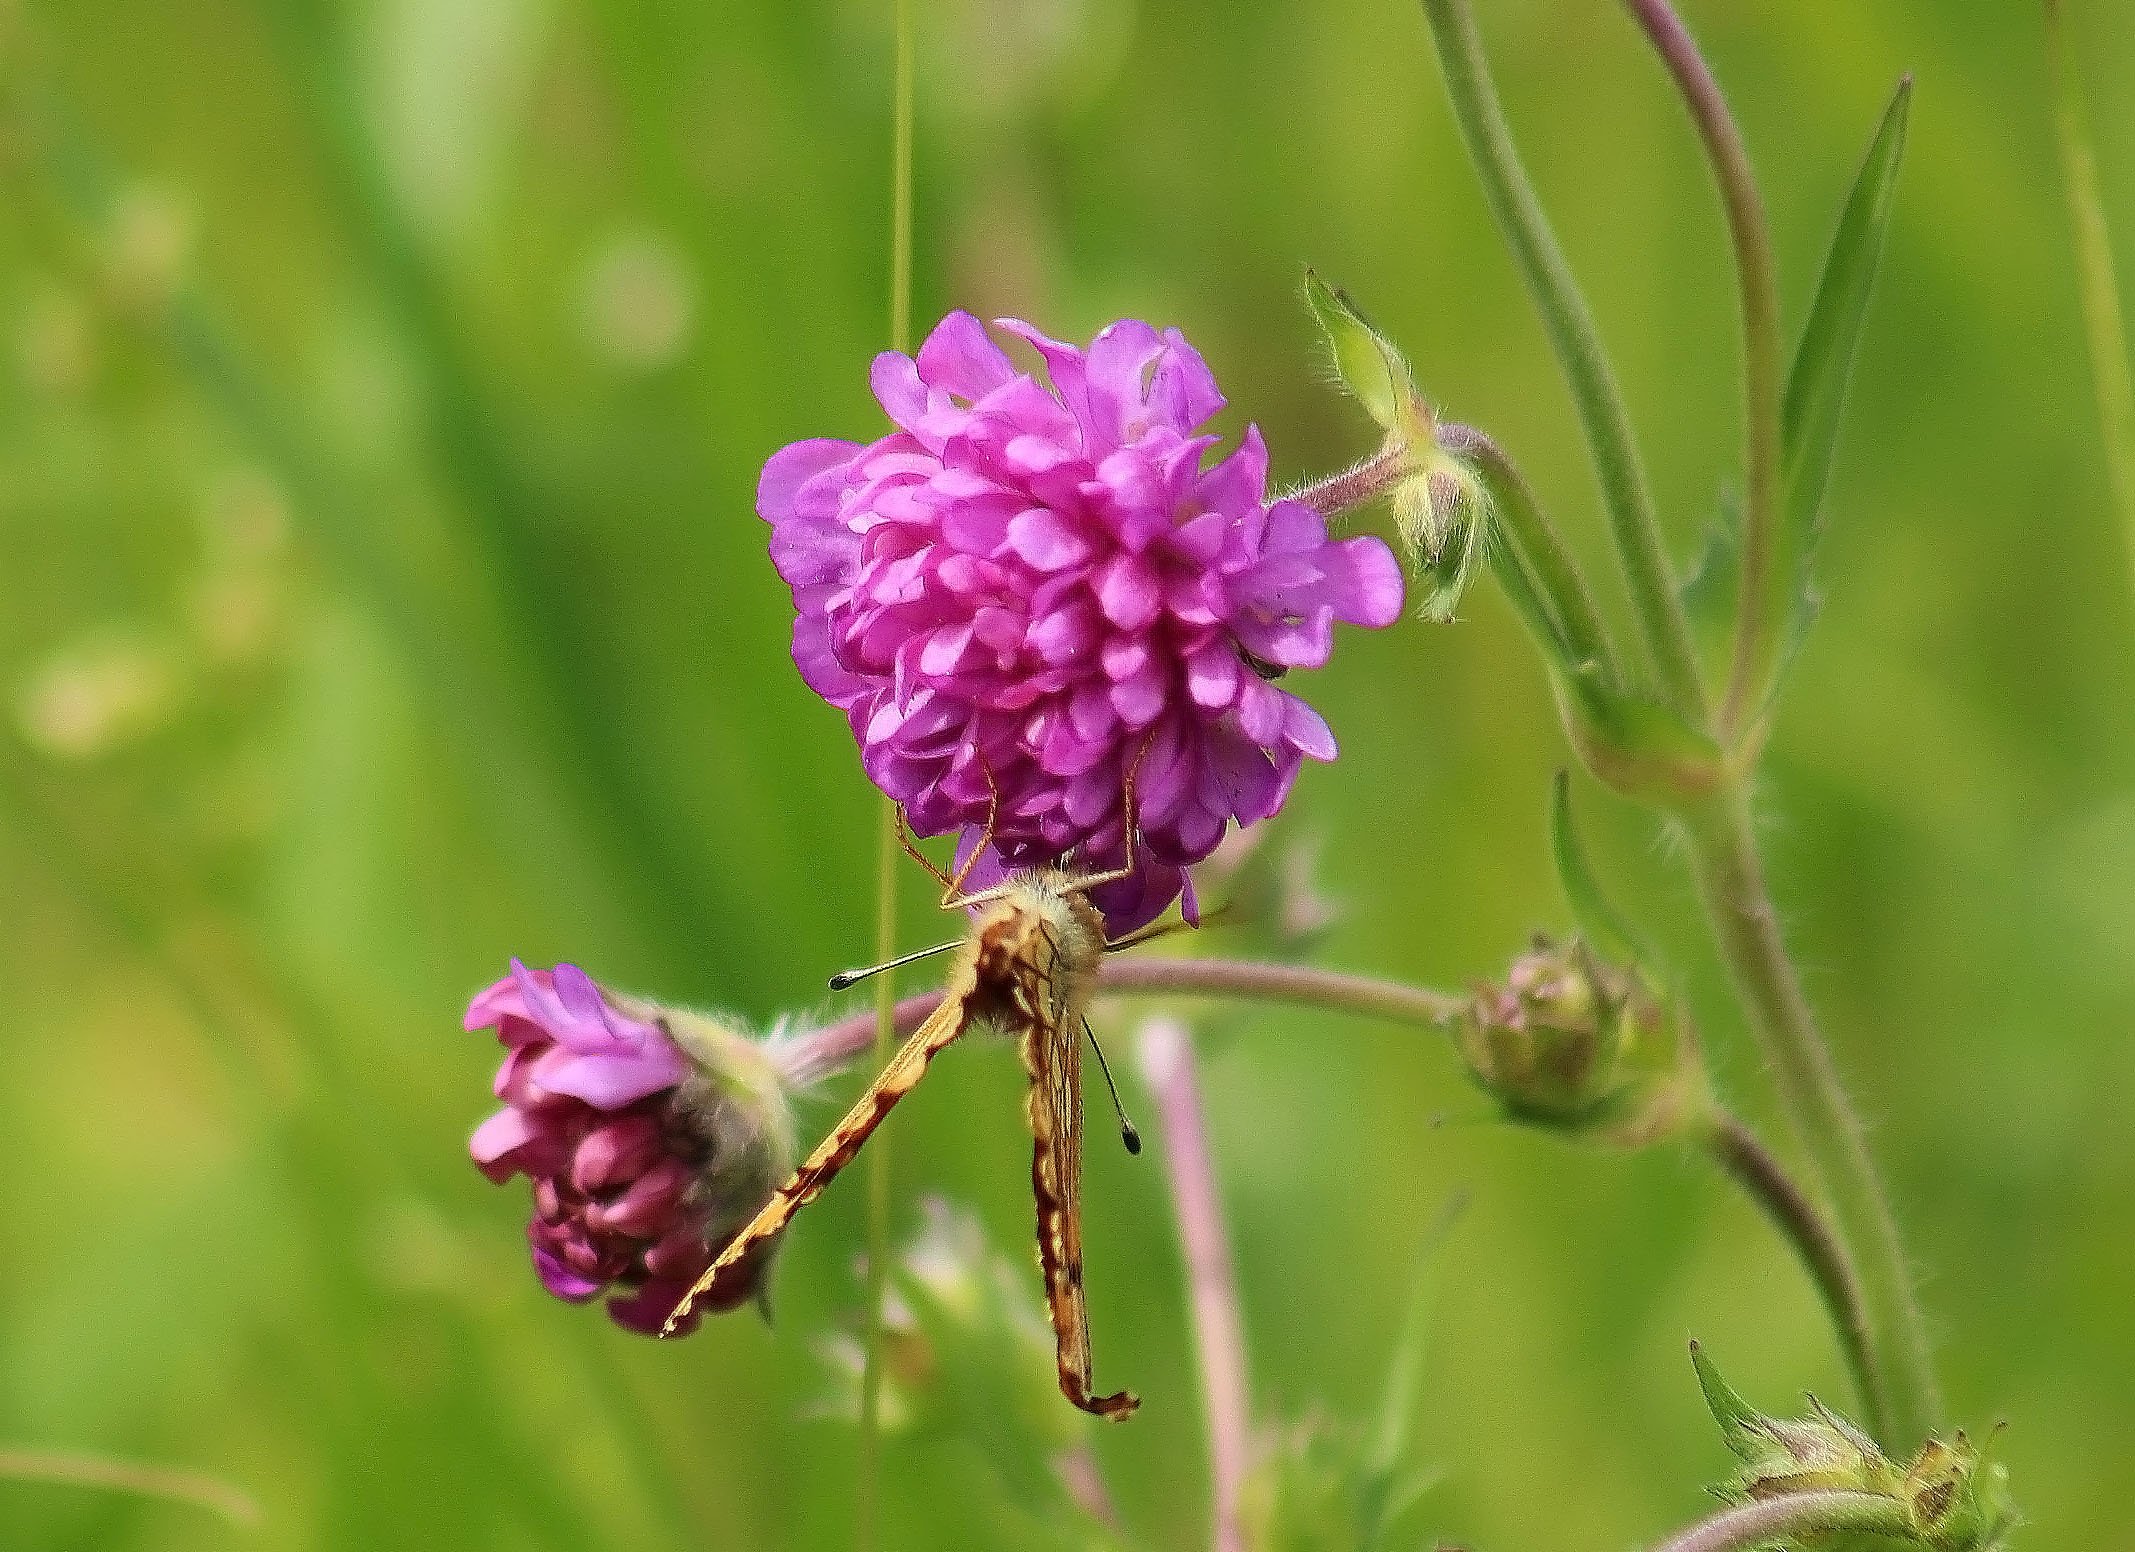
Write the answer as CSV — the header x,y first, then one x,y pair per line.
x,y
1367,362
1816,388
1393,1437
1603,926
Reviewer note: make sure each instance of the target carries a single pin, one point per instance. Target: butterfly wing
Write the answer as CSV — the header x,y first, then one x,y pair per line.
x,y
1052,1052
836,1151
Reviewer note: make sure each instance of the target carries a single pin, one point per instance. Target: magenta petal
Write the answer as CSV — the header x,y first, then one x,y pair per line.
x,y
560,1280
496,1139
1004,597
958,358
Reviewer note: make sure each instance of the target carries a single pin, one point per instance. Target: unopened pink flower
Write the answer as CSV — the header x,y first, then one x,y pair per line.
x,y
1037,589
645,1154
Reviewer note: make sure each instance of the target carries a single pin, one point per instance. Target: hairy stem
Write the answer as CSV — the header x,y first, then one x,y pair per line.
x,y
1739,1152
1355,487
1572,335
1167,1060
1785,1519
1746,924
1549,564
868,1508
1758,611
2103,323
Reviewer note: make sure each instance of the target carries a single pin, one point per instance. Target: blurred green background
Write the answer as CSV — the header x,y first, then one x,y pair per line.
x,y
382,397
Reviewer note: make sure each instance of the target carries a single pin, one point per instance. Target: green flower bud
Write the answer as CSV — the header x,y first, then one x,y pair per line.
x,y
1954,1500
1579,1045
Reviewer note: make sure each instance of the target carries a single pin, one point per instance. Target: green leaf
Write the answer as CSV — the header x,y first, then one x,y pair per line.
x,y
1599,921
1367,362
1816,388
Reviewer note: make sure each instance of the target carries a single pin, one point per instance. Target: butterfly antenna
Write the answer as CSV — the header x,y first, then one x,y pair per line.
x,y
846,978
1128,1136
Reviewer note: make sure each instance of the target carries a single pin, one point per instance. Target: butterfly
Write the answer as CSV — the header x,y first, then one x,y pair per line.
x,y
1028,966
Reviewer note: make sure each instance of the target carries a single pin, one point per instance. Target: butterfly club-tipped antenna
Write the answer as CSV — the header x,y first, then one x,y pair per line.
x,y
1129,1135
844,980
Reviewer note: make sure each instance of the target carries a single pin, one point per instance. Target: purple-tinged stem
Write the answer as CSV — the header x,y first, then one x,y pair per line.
x,y
1757,614
1353,488
837,1045
1167,1060
1785,1519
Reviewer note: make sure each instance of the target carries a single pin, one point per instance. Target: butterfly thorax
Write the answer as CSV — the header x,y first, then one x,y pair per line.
x,y
1036,950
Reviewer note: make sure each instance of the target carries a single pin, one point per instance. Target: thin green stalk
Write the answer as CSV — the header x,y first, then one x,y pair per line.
x,y
1745,1159
1789,1519
1761,611
2103,321
73,1468
1626,497
1746,924
868,1531
1552,568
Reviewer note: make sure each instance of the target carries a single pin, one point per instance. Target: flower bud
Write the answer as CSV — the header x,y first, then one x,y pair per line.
x,y
1954,1500
650,1135
1577,1044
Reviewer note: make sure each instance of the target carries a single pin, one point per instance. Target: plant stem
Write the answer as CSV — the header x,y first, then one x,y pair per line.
x,y
1746,924
1787,1518
1355,487
2103,323
840,1044
1549,563
1167,1060
1625,495
1758,611
70,1468
868,1507
1739,1152
1727,1140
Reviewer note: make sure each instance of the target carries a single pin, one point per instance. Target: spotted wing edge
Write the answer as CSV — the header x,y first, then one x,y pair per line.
x,y
941,1030
1052,1054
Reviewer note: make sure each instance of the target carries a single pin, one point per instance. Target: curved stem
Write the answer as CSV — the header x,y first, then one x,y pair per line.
x,y
1167,1061
1549,562
1757,610
1577,343
1795,1515
838,1045
70,1468
1730,1143
1746,923
1739,1152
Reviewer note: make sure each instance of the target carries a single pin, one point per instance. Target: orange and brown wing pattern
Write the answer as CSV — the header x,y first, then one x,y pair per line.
x,y
836,1151
1052,1053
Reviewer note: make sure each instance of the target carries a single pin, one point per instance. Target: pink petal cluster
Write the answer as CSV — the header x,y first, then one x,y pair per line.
x,y
1037,588
591,1117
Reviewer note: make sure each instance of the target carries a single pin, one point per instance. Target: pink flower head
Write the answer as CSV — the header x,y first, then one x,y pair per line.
x,y
602,1113
1038,589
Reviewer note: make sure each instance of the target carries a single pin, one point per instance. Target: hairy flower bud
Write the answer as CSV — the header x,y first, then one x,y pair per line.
x,y
1953,1498
650,1134
1572,1042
